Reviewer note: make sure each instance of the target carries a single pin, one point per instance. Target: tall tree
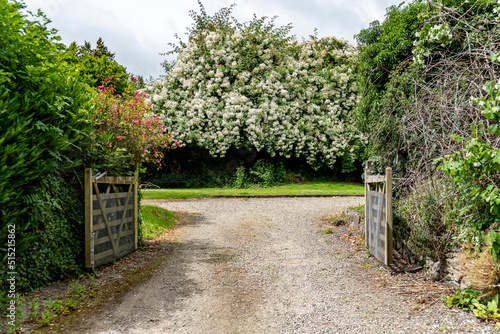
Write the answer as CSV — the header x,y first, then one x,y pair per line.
x,y
98,64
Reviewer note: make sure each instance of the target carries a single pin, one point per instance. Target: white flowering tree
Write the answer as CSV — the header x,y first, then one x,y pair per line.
x,y
253,86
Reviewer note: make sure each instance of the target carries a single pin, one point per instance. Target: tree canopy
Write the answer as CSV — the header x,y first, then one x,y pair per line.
x,y
252,85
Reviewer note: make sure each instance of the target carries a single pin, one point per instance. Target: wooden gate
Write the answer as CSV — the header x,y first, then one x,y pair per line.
x,y
378,214
111,208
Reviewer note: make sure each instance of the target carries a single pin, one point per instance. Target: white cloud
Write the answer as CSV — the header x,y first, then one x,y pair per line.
x,y
138,31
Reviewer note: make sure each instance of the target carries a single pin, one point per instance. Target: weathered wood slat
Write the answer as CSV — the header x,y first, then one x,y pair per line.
x,y
102,255
389,217
126,246
123,217
105,239
378,213
136,206
101,205
374,178
114,223
113,209
111,196
116,214
88,218
116,179
126,249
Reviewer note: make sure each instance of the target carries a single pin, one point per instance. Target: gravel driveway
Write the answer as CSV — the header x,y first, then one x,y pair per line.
x,y
260,266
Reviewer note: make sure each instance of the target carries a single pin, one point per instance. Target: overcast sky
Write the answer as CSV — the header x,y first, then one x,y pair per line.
x,y
137,31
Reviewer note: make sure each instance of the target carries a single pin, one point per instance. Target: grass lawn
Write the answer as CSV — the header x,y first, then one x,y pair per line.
x,y
306,188
156,220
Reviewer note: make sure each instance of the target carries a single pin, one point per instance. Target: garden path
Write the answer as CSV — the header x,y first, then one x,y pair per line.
x,y
261,266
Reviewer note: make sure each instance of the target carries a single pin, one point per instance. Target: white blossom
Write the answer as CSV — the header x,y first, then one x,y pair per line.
x,y
291,101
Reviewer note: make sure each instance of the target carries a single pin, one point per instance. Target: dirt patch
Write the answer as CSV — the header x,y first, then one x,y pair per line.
x,y
263,266
419,289
106,287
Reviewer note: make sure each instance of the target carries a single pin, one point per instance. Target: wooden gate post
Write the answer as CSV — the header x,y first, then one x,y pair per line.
x,y
136,205
88,216
388,213
379,227
367,189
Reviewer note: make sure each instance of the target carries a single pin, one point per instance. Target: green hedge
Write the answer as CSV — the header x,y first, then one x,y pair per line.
x,y
43,114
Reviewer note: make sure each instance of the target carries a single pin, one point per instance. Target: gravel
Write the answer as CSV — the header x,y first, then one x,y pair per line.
x,y
261,266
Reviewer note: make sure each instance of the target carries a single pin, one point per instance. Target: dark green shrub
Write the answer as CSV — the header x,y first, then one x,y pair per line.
x,y
240,178
43,114
426,218
263,173
58,222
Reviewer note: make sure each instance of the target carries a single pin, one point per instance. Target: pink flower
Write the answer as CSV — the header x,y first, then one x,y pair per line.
x,y
120,137
176,143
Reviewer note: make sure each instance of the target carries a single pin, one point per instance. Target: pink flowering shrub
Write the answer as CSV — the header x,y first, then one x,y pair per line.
x,y
126,132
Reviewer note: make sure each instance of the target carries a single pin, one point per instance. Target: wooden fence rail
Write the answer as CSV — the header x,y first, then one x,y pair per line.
x,y
378,214
111,225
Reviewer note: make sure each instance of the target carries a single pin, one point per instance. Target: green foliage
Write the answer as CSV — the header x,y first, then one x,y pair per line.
x,y
418,71
471,300
263,174
416,75
125,133
57,220
476,169
464,299
450,26
240,177
493,240
359,209
42,116
383,48
98,65
425,219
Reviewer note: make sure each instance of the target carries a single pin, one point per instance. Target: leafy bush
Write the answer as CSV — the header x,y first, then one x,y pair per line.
x,y
418,71
426,217
262,173
471,300
43,113
384,50
57,221
251,85
475,170
97,65
240,178
125,129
